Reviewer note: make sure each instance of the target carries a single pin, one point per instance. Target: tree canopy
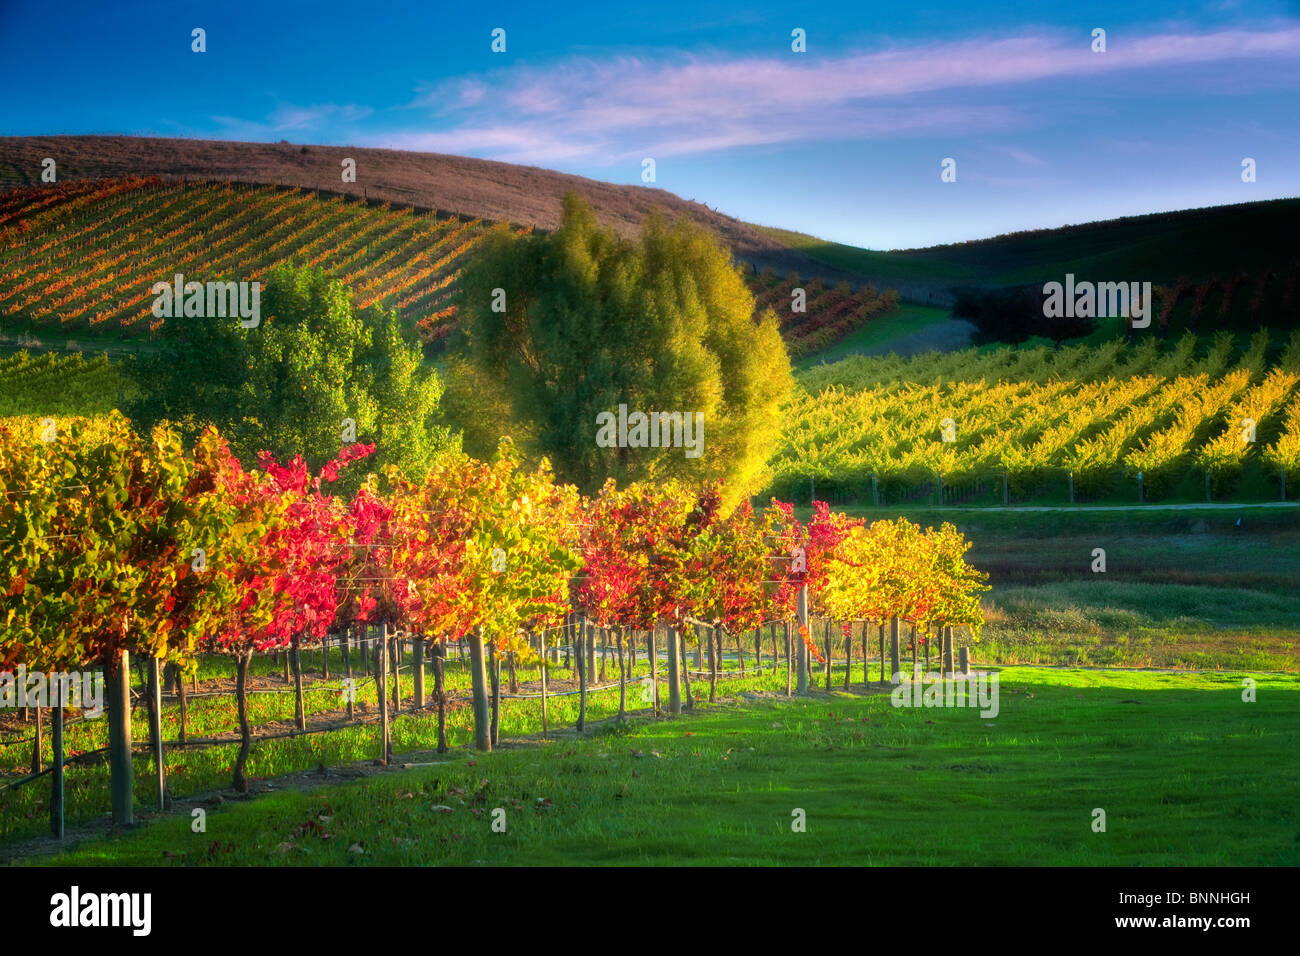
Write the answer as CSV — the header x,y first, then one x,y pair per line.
x,y
316,374
565,328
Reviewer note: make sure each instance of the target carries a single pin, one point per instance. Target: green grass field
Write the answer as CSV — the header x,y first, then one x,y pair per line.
x,y
1185,770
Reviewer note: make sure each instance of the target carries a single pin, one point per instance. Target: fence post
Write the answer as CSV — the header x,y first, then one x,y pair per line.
x,y
56,778
381,675
965,661
121,779
895,660
674,673
478,677
418,664
802,611
946,652
155,730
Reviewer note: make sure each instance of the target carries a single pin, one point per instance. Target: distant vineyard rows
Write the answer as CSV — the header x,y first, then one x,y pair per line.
x,y
81,258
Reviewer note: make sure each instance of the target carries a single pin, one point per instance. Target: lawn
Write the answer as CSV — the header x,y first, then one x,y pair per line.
x,y
1185,770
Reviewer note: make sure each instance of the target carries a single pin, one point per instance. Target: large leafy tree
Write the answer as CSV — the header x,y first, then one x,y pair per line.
x,y
576,323
291,384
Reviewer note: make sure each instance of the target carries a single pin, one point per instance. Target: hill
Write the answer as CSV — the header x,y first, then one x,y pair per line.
x,y
1191,244
78,260
448,185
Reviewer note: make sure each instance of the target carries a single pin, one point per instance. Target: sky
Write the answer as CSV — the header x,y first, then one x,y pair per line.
x,y
844,141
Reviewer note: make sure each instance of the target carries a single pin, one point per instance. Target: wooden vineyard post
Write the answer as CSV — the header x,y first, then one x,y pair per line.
x,y
829,658
36,742
928,641
895,663
740,650
622,675
965,661
56,776
912,627
155,729
121,779
299,710
351,682
541,672
418,663
180,698
771,633
478,678
653,649
713,666
381,679
686,670
758,651
674,673
439,690
579,646
287,676
699,649
789,664
882,653
325,658
241,708
947,651
848,656
494,671
802,611
394,652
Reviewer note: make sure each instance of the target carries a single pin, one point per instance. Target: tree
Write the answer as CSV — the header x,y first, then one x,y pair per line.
x,y
314,375
580,322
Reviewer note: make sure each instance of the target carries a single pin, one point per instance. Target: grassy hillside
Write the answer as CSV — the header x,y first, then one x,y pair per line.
x,y
1193,244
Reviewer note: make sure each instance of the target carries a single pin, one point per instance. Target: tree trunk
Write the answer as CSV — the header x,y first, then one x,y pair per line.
x,y
674,673
912,628
740,650
245,731
121,778
514,672
287,677
758,650
771,632
299,709
439,690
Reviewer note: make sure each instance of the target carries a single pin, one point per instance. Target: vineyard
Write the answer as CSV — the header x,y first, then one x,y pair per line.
x,y
51,384
116,546
79,260
989,426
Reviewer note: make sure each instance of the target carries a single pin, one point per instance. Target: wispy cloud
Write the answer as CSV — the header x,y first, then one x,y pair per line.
x,y
615,109
289,118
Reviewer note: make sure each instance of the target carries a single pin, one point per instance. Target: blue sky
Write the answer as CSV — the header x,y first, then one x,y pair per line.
x,y
844,141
